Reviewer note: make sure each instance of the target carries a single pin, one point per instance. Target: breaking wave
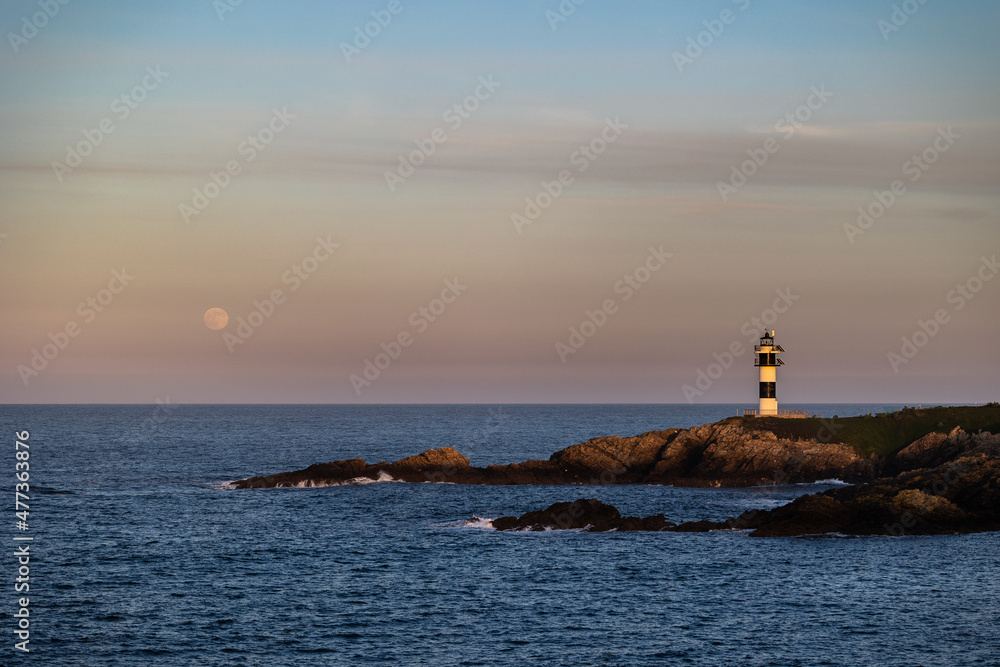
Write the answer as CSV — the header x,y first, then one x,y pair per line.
x,y
383,476
832,482
479,522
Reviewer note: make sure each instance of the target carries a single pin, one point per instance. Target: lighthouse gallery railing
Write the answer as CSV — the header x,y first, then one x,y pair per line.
x,y
790,412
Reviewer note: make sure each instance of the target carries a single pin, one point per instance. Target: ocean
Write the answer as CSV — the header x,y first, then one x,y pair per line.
x,y
141,555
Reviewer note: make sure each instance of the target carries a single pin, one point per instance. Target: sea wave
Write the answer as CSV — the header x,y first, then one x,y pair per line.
x,y
479,522
831,482
383,477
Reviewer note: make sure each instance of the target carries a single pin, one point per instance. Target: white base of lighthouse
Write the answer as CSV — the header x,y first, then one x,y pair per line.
x,y
768,407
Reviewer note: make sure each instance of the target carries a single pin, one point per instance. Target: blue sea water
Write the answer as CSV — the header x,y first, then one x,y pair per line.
x,y
143,556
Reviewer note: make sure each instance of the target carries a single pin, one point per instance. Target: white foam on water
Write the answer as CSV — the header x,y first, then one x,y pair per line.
x,y
310,484
550,529
383,476
481,523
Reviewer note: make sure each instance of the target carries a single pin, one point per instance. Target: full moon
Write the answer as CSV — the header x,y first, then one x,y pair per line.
x,y
216,318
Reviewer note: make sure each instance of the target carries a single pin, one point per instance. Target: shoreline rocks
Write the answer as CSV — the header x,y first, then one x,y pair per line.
x,y
958,495
923,482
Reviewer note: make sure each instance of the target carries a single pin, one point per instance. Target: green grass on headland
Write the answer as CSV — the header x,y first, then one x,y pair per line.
x,y
885,432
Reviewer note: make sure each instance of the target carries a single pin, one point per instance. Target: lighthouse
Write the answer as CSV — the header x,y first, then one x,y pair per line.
x,y
768,362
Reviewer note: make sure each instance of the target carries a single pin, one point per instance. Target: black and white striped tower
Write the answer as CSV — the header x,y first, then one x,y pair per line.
x,y
767,360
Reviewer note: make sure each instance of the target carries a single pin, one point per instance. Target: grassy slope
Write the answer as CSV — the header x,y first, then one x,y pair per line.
x,y
885,432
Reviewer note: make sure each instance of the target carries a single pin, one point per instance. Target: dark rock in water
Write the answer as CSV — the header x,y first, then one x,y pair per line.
x,y
561,516
590,514
318,474
432,465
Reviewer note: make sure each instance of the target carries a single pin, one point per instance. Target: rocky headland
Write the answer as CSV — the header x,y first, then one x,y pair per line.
x,y
915,471
726,453
732,452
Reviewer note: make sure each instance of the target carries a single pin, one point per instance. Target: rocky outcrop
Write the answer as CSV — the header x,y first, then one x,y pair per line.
x,y
411,469
960,496
732,452
959,493
591,515
727,453
615,459
318,474
934,449
936,484
721,454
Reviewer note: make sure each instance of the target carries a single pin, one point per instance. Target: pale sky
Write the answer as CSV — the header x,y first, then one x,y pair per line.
x,y
396,171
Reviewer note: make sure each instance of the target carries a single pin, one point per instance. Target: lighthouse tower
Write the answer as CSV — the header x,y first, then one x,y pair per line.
x,y
768,362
